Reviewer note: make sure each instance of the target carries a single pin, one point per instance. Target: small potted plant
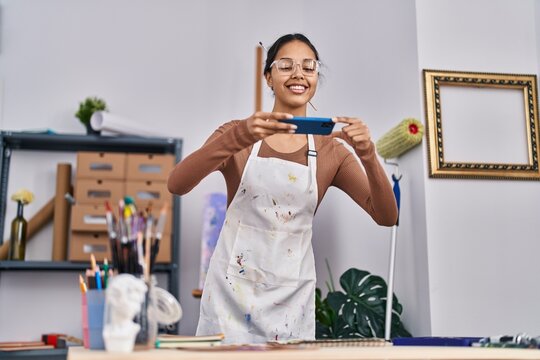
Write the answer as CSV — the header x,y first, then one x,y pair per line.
x,y
88,107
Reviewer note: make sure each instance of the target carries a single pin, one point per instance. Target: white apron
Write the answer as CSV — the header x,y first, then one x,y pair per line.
x,y
260,283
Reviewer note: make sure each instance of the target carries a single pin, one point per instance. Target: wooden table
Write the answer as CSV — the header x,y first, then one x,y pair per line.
x,y
327,353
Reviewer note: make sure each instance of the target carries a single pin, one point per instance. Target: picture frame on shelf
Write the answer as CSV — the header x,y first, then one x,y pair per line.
x,y
481,125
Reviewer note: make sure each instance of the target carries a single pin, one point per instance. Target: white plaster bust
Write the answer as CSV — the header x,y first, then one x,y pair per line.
x,y
124,296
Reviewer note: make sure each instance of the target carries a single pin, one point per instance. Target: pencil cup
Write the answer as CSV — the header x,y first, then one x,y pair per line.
x,y
95,302
84,312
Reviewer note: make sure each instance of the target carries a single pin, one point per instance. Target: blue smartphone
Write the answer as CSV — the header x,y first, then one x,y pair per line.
x,y
311,125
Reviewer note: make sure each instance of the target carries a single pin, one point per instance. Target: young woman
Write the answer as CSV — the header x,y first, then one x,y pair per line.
x,y
260,284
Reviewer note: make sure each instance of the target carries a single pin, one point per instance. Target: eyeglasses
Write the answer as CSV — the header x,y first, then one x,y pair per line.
x,y
287,66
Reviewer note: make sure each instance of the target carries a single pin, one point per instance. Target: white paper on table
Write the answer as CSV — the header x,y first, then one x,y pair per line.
x,y
106,122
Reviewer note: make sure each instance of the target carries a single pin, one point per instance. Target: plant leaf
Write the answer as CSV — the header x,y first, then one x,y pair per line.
x,y
361,310
323,313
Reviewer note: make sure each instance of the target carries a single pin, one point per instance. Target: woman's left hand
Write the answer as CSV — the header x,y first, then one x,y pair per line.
x,y
355,133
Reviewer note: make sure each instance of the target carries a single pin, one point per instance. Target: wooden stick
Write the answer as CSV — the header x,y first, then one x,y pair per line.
x,y
258,78
36,223
20,344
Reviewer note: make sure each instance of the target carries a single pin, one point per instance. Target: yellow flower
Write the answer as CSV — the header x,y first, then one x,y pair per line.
x,y
24,196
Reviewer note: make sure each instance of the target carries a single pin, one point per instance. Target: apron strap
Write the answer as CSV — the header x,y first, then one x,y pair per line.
x,y
255,149
312,163
252,155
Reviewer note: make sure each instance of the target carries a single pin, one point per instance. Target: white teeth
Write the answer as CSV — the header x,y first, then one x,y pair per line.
x,y
297,89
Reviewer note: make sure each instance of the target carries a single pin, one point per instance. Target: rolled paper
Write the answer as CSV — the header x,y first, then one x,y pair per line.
x,y
401,138
114,124
62,211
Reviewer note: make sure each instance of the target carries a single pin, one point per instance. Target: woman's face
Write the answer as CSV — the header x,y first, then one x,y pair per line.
x,y
292,91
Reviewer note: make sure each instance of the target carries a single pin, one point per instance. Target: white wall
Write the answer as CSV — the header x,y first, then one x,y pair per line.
x,y
371,72
185,67
482,234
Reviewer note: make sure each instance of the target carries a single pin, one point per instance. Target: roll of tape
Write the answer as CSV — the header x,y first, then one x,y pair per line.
x,y
167,308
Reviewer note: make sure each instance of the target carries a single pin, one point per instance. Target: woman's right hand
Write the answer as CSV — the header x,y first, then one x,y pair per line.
x,y
263,124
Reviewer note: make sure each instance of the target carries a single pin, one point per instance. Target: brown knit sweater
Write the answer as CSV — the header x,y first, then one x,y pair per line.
x,y
228,149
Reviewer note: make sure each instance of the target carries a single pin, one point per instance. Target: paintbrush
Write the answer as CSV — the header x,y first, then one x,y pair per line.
x,y
159,233
113,235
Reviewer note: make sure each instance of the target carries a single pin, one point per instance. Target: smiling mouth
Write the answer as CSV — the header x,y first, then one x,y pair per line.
x,y
297,89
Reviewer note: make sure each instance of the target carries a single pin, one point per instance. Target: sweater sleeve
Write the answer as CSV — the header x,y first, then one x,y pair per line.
x,y
226,141
370,188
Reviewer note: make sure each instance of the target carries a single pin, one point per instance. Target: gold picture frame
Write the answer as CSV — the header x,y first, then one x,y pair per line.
x,y
491,119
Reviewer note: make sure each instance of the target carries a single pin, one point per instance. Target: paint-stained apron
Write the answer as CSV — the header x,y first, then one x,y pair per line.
x,y
260,283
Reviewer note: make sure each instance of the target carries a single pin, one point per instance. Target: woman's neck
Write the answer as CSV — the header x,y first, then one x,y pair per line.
x,y
286,143
295,111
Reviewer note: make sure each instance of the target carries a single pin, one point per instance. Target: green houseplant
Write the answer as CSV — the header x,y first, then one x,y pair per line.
x,y
359,311
88,107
